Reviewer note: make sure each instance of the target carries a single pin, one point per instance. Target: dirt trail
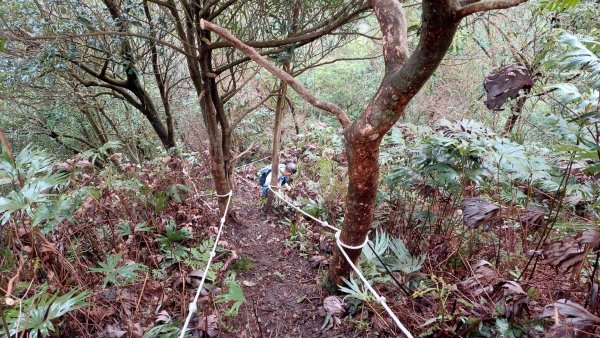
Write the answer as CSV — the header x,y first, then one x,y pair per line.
x,y
283,292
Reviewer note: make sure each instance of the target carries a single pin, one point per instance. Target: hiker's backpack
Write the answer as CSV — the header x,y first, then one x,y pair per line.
x,y
262,175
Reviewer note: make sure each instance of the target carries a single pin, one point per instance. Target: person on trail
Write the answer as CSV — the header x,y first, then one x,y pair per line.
x,y
285,171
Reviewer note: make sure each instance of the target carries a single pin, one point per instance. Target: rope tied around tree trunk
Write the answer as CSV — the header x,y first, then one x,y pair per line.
x,y
381,299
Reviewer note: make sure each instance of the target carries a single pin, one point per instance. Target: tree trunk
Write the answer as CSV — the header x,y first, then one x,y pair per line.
x,y
516,111
363,174
277,139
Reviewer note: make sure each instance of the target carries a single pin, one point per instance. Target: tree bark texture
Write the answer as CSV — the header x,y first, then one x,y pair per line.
x,y
279,109
516,112
404,77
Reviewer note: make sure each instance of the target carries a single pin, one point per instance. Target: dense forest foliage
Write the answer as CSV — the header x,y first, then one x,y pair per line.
x,y
447,155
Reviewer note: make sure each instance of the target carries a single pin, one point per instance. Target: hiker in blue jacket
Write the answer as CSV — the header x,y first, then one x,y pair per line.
x,y
285,171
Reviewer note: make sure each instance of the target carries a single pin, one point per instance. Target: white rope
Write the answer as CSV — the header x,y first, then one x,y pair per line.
x,y
193,307
323,223
341,246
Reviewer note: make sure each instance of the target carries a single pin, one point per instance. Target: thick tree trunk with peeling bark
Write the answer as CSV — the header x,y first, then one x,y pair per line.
x,y
403,78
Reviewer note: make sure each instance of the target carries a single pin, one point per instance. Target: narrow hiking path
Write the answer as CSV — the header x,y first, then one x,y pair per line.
x,y
283,291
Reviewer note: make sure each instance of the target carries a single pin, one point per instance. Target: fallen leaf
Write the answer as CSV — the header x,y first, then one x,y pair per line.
x,y
334,306
533,218
113,331
317,260
208,325
577,320
248,283
477,211
162,317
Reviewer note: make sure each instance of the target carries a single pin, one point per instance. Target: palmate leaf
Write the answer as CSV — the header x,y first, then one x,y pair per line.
x,y
113,274
234,294
557,5
581,57
355,293
37,313
402,260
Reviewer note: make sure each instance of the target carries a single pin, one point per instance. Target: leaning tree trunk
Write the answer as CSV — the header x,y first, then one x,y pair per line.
x,y
279,108
363,174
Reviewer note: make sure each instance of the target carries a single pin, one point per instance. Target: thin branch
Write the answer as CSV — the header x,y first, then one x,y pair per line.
x,y
250,110
486,6
316,65
282,75
104,33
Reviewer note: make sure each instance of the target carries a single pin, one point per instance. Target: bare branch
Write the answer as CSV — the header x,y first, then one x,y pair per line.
x,y
316,65
250,110
488,5
103,33
282,75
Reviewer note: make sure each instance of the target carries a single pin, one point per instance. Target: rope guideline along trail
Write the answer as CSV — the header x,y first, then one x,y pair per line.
x,y
193,307
341,246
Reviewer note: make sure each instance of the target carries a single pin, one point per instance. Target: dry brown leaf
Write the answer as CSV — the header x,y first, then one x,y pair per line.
x,y
533,218
514,298
317,260
483,279
334,306
576,323
592,238
563,254
162,317
208,325
113,331
248,283
136,329
477,211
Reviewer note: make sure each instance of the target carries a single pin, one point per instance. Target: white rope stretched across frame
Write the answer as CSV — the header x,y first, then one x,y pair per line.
x,y
193,307
341,246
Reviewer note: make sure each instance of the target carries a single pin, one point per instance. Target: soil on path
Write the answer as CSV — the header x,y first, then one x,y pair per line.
x,y
284,294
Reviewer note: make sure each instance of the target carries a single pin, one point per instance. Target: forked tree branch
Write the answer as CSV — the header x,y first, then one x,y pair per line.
x,y
488,5
279,73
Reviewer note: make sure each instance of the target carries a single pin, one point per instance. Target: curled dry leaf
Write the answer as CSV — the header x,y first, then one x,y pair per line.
x,y
248,283
574,321
162,317
592,238
506,82
564,254
112,331
533,218
317,260
514,298
477,211
208,325
483,278
334,306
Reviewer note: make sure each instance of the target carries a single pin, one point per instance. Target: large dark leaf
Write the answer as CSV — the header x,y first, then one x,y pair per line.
x,y
564,254
533,218
506,82
477,211
571,320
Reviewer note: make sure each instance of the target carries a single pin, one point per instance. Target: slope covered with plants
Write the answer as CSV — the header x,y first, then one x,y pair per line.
x,y
449,151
